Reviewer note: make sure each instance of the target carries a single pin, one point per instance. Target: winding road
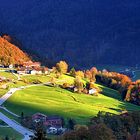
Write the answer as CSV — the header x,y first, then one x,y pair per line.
x,y
19,128
22,130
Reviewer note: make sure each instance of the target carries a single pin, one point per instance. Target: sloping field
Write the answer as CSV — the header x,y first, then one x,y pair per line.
x,y
57,101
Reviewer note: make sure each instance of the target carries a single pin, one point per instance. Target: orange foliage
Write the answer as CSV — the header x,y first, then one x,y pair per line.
x,y
79,73
10,54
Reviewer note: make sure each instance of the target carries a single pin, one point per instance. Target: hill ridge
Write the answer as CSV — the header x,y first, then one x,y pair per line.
x,y
11,54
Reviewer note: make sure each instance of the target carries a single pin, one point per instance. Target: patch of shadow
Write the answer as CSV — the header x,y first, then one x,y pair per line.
x,y
115,109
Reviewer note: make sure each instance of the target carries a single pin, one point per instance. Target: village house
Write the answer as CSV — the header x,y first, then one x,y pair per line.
x,y
11,66
53,124
31,64
23,71
2,78
39,117
53,121
35,71
92,91
46,70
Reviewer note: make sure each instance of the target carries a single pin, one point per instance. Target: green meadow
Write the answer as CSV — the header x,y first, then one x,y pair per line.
x,y
7,75
2,91
7,131
57,101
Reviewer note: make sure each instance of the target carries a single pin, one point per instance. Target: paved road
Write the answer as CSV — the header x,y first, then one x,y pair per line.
x,y
4,108
22,130
12,91
8,94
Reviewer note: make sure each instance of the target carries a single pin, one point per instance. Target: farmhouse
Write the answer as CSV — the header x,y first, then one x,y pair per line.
x,y
11,66
39,117
51,121
92,91
23,71
36,71
31,64
46,70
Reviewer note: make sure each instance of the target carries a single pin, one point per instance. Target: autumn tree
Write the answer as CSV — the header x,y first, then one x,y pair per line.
x,y
97,132
78,84
94,70
11,54
62,67
88,74
40,135
79,74
101,132
73,72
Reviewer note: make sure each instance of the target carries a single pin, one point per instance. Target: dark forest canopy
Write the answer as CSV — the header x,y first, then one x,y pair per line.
x,y
87,31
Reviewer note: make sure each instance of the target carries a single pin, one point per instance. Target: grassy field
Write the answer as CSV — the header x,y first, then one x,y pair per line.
x,y
47,78
57,101
42,78
12,117
2,91
7,75
7,131
109,92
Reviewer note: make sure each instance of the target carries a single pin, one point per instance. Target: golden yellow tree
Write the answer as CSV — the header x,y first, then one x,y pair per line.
x,y
62,67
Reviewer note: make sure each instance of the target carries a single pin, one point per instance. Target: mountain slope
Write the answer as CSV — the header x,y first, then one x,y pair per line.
x,y
82,32
10,54
50,101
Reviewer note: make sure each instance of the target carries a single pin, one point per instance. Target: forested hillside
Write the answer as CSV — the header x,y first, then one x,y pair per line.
x,y
10,54
87,31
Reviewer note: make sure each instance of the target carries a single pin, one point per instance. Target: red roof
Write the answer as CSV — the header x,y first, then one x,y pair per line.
x,y
32,64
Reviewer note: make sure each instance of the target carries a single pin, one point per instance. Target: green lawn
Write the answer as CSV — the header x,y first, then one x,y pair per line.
x,y
57,101
46,78
42,78
2,91
7,75
109,92
12,117
11,133
65,79
16,84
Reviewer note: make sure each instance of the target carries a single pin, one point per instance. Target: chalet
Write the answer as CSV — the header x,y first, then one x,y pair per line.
x,y
38,117
2,78
36,71
46,70
53,121
92,91
53,124
75,89
52,130
23,71
10,66
31,64
55,130
48,121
